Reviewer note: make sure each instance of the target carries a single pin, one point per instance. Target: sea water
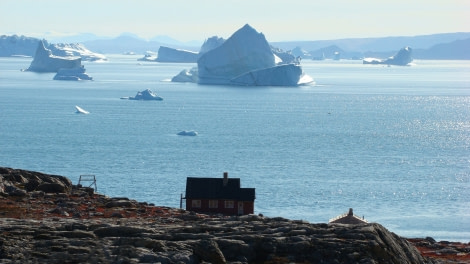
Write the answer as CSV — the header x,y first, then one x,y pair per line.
x,y
393,143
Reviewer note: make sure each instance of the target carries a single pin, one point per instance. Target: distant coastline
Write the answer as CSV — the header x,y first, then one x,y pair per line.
x,y
445,46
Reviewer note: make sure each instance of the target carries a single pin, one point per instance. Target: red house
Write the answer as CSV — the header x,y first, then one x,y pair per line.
x,y
219,195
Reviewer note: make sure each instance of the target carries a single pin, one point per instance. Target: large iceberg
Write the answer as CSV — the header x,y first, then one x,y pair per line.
x,y
246,59
402,58
44,61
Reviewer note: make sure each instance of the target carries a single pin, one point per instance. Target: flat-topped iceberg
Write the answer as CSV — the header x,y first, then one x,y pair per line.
x,y
145,95
402,58
246,58
166,54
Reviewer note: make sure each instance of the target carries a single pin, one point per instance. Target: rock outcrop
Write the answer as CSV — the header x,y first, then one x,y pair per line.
x,y
73,224
19,182
44,61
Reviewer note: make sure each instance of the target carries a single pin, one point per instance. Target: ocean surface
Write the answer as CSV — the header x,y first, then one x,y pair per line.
x,y
393,143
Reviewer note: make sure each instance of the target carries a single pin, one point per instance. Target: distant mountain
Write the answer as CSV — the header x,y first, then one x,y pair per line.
x,y
455,50
384,44
131,43
79,38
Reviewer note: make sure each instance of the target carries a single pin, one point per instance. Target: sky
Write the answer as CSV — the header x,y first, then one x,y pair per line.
x,y
278,20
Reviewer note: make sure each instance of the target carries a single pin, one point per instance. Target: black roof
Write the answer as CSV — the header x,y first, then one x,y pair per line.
x,y
213,188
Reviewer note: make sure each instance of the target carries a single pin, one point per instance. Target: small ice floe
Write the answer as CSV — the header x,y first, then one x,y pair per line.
x,y
187,133
81,110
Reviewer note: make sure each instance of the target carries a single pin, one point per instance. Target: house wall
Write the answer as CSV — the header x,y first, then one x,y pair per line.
x,y
248,207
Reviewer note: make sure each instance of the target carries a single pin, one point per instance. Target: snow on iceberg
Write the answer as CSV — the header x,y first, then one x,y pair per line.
x,y
75,49
246,58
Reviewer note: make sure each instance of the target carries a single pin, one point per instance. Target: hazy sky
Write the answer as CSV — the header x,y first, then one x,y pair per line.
x,y
279,20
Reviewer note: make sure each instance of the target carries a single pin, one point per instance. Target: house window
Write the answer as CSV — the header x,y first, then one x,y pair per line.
x,y
196,203
213,203
228,204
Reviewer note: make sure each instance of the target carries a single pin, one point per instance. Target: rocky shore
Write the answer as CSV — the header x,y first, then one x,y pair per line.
x,y
46,219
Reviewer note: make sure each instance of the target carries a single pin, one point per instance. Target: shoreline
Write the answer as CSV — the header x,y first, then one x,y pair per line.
x,y
60,204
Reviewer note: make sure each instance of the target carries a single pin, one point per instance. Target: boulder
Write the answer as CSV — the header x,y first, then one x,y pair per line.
x,y
35,181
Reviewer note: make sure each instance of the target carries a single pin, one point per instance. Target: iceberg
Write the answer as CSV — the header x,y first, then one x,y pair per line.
x,y
246,58
402,58
149,56
146,95
166,54
17,46
75,49
81,110
72,74
187,133
186,76
44,61
282,75
210,44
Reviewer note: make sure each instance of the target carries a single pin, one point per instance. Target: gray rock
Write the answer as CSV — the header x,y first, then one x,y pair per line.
x,y
208,250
